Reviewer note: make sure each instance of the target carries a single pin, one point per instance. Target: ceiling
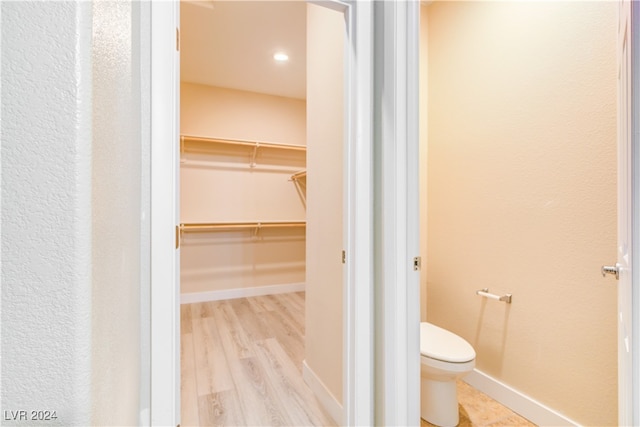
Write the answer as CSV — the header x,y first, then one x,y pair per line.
x,y
231,44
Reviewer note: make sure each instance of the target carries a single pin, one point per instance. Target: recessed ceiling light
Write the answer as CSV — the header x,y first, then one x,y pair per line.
x,y
280,56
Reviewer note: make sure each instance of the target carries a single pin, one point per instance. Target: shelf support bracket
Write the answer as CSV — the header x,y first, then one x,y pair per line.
x,y
254,155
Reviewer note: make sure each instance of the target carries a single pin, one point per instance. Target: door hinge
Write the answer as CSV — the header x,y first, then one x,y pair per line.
x,y
344,257
178,39
417,263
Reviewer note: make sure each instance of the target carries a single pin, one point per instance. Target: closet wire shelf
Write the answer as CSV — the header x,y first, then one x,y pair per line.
x,y
247,143
226,226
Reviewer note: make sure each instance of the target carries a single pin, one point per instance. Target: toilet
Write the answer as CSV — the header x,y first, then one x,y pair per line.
x,y
444,357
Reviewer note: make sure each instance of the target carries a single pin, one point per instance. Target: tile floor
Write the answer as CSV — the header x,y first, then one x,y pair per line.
x,y
478,409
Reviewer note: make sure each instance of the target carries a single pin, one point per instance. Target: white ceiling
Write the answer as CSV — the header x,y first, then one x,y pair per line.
x,y
231,44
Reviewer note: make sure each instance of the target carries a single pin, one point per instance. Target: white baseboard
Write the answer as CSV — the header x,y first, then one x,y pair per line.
x,y
326,398
519,403
193,297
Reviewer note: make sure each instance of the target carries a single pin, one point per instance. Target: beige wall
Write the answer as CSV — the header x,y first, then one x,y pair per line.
x,y
217,184
522,194
325,126
235,114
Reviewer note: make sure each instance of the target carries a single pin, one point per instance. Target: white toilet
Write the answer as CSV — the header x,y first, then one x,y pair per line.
x,y
444,357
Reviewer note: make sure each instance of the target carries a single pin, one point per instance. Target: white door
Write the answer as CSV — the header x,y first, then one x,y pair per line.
x,y
165,254
622,270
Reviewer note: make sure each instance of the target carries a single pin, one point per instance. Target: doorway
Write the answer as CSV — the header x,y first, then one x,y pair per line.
x,y
165,221
165,20
253,201
164,42
529,204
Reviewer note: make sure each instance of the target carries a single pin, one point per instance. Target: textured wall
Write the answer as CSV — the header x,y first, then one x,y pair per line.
x,y
522,194
116,197
71,173
325,133
46,210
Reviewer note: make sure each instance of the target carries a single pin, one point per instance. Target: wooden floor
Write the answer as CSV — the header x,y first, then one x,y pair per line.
x,y
242,364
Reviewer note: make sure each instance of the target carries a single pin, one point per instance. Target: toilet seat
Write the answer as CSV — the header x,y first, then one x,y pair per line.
x,y
440,344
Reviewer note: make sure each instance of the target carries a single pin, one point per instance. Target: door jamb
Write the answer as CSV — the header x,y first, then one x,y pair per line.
x,y
357,375
164,295
358,310
396,157
634,203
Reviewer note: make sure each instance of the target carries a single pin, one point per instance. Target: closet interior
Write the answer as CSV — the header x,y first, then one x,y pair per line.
x,y
242,156
242,193
261,189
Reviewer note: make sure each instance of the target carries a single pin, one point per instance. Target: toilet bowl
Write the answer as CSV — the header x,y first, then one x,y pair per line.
x,y
444,357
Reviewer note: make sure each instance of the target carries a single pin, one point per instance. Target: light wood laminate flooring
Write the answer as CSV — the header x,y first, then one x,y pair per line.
x,y
242,364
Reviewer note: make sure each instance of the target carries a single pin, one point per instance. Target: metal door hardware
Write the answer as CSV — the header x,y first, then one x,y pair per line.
x,y
611,269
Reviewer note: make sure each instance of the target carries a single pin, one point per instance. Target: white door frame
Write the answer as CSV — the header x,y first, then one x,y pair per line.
x,y
165,295
357,375
397,236
629,375
358,293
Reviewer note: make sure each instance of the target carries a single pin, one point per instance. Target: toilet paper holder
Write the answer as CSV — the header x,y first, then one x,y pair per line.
x,y
484,292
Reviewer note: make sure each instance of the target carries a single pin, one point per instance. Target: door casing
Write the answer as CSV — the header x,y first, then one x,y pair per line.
x,y
358,313
628,213
164,294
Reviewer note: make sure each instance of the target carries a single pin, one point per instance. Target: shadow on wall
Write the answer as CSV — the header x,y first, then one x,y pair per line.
x,y
300,182
491,344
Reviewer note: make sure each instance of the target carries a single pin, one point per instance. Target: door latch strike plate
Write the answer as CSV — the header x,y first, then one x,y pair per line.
x,y
344,257
417,263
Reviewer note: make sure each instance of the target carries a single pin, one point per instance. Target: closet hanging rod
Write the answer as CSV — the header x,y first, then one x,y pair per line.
x,y
237,225
256,144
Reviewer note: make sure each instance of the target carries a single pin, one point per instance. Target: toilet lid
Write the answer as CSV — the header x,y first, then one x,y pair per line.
x,y
440,344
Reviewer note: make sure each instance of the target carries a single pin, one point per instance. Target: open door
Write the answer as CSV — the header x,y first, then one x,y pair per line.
x,y
165,237
627,222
